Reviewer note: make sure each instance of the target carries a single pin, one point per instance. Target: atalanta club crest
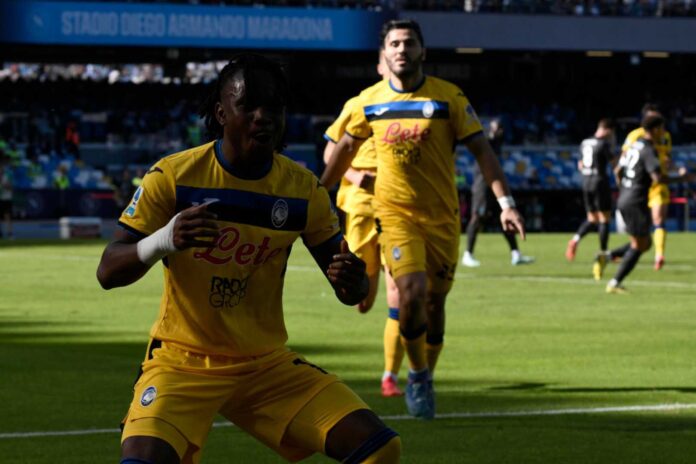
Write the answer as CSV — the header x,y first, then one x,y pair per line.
x,y
279,214
428,109
148,396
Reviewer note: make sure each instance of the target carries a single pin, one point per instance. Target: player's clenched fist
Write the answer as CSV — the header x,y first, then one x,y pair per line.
x,y
195,227
347,275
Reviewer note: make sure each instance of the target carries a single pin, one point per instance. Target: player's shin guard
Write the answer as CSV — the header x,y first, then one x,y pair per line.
x,y
384,447
660,239
393,349
603,229
433,347
630,260
414,344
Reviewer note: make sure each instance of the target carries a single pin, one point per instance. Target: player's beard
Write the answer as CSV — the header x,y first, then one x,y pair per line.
x,y
410,69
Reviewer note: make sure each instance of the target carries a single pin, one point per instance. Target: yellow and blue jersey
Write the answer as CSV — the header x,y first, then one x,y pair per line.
x,y
365,158
351,198
662,147
414,134
227,299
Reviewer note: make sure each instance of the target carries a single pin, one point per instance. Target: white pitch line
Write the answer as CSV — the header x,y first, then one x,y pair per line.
x,y
451,415
555,412
579,280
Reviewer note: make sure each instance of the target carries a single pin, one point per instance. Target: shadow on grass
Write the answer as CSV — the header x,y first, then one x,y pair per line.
x,y
75,386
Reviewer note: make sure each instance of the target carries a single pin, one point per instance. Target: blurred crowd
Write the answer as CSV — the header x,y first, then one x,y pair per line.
x,y
137,113
558,7
158,120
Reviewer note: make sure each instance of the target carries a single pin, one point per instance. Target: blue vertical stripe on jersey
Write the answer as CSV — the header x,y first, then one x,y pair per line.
x,y
244,207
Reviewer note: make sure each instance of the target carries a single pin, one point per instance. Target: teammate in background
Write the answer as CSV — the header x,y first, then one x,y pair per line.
x,y
637,170
480,207
415,121
658,197
354,197
222,218
597,153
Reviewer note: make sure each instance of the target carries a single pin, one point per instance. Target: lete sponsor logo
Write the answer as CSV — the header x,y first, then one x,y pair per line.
x,y
395,134
229,246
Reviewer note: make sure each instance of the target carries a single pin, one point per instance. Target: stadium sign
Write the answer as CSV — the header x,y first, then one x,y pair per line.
x,y
140,24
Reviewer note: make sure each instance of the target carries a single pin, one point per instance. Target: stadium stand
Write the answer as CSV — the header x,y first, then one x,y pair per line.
x,y
116,107
635,8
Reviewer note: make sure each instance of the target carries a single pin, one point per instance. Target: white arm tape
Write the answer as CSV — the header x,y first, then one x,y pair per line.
x,y
158,245
506,202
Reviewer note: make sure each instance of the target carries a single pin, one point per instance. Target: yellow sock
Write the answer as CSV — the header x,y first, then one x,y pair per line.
x,y
433,353
416,352
660,238
390,453
393,349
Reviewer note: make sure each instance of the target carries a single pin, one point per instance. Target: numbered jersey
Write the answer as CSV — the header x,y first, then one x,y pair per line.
x,y
414,133
637,163
596,155
227,299
663,147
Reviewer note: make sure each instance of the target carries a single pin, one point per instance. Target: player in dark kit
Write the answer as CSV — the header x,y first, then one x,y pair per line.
x,y
637,170
482,200
596,154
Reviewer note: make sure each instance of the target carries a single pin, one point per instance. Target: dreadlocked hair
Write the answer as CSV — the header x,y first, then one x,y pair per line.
x,y
248,64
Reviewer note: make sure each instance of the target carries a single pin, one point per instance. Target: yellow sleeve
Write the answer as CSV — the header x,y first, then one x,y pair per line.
x,y
358,126
668,139
338,128
631,138
464,120
153,203
322,220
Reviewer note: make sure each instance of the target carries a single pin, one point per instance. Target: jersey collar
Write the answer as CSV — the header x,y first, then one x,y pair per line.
x,y
260,174
418,86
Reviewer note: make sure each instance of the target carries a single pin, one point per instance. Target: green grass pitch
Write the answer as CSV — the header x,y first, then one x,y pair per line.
x,y
521,343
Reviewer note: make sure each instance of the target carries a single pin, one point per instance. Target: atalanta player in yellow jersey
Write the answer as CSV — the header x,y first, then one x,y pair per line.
x,y
658,196
222,218
415,121
354,197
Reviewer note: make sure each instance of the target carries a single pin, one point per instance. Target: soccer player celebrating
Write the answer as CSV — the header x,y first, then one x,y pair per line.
x,y
596,155
480,196
415,121
354,197
658,196
637,170
222,217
